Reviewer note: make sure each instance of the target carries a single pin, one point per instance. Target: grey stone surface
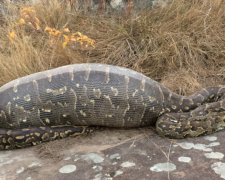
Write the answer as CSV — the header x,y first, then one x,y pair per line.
x,y
118,155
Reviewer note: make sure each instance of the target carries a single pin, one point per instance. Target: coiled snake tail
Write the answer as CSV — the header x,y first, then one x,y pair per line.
x,y
204,120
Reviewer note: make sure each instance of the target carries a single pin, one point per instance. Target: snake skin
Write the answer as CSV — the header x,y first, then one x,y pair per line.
x,y
70,100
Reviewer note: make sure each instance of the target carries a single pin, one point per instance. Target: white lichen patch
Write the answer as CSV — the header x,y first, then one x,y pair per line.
x,y
67,158
214,155
98,176
76,159
4,158
114,163
184,159
202,147
160,167
214,144
186,145
210,138
67,169
219,168
34,164
28,178
10,161
127,164
118,172
20,170
92,157
97,168
115,156
107,176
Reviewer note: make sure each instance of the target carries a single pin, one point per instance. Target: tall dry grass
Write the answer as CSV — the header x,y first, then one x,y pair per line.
x,y
182,45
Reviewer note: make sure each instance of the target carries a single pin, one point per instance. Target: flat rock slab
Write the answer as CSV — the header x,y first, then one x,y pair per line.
x,y
118,154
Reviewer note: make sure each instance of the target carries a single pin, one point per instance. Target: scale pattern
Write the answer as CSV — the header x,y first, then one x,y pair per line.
x,y
72,99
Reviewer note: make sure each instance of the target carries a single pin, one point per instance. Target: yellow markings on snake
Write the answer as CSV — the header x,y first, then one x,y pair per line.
x,y
97,93
127,79
15,87
142,86
56,92
83,113
169,97
161,93
141,98
49,77
114,91
109,115
65,115
37,134
68,131
45,137
186,108
29,139
92,101
181,101
62,135
16,98
27,98
10,140
135,92
107,78
9,132
174,107
151,99
20,137
3,140
87,73
43,128
46,110
107,97
8,107
47,120
71,74
126,109
191,102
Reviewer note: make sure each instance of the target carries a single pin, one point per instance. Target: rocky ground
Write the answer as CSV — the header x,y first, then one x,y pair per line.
x,y
118,154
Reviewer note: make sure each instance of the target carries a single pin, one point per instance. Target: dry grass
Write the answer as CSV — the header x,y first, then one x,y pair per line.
x,y
182,44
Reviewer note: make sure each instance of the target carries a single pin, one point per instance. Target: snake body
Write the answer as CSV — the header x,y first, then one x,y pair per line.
x,y
71,99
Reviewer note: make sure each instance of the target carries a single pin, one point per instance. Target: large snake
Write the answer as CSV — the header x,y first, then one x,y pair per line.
x,y
70,100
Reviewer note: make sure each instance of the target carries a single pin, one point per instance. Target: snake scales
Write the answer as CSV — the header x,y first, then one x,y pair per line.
x,y
70,100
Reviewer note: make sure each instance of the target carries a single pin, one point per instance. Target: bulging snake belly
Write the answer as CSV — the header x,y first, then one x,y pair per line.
x,y
73,99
